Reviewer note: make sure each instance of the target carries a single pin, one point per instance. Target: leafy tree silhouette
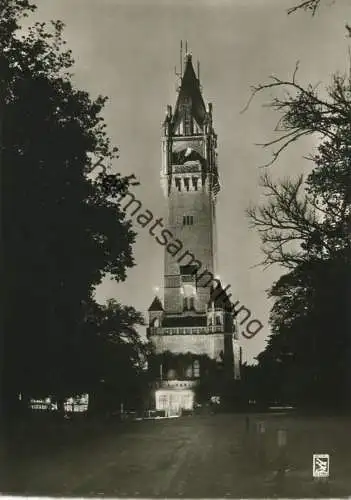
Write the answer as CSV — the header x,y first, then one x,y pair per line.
x,y
63,231
305,228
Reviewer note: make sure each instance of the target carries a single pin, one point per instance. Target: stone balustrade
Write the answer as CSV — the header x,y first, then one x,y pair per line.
x,y
190,330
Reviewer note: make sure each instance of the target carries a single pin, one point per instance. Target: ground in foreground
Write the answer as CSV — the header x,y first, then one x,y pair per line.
x,y
199,456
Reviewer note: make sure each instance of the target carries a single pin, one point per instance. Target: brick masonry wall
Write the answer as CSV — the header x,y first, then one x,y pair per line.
x,y
196,239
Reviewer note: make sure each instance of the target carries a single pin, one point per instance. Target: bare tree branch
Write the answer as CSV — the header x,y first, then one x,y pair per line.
x,y
311,5
290,223
304,112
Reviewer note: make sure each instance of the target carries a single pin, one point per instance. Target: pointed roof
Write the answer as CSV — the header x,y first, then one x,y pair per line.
x,y
190,91
156,305
220,298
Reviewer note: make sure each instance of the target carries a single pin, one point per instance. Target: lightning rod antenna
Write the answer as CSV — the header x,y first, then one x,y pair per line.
x,y
198,70
181,58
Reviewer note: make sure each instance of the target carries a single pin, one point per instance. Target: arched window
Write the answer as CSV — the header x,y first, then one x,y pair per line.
x,y
178,183
218,320
162,402
188,303
196,368
171,374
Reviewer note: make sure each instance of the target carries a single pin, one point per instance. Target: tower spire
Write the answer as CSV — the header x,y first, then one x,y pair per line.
x,y
190,105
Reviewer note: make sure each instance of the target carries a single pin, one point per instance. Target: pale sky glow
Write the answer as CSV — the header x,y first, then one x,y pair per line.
x,y
128,49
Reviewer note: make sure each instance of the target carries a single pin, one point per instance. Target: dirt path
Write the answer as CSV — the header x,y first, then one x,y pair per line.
x,y
191,457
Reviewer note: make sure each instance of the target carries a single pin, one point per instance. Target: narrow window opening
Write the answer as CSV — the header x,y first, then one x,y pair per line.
x,y
188,220
196,369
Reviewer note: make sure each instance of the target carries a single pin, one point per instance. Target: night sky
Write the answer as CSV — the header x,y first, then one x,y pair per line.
x,y
127,50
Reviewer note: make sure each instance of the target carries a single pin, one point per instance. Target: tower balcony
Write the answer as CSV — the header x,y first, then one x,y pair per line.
x,y
190,167
175,384
191,330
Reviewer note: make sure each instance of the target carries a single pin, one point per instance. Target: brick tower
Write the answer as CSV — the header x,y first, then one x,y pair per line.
x,y
196,349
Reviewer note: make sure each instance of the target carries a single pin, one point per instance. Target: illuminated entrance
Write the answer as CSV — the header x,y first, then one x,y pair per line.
x,y
174,401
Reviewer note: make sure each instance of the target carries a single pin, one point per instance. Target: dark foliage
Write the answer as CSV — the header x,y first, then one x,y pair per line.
x,y
305,227
63,231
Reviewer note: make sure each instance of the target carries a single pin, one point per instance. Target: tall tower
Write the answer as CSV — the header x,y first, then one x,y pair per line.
x,y
193,330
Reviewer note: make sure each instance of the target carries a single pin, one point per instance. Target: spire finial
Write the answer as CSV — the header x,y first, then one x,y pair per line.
x,y
181,57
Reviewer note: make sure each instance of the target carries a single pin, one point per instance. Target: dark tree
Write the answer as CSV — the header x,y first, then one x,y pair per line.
x,y
305,227
63,232
307,358
309,217
118,357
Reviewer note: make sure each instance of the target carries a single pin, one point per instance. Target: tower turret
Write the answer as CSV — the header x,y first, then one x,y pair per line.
x,y
155,313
